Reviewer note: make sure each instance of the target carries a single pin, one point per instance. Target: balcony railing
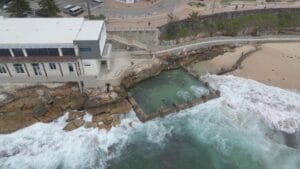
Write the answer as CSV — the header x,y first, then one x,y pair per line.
x,y
67,58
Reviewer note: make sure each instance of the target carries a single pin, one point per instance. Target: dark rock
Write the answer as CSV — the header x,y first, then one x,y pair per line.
x,y
77,102
39,110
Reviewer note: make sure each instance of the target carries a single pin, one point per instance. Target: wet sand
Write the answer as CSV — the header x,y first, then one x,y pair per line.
x,y
276,64
224,61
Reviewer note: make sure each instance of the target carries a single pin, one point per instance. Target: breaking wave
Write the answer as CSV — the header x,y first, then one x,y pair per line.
x,y
241,129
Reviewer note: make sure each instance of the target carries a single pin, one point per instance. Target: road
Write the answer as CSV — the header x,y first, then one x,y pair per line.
x,y
182,12
204,43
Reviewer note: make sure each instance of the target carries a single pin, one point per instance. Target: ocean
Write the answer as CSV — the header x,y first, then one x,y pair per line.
x,y
243,129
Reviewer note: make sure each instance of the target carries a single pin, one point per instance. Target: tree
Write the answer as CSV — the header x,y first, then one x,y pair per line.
x,y
49,7
19,8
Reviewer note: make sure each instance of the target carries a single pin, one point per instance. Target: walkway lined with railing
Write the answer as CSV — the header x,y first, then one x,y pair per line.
x,y
208,42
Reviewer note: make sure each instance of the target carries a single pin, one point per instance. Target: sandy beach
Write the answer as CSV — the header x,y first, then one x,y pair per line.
x,y
225,60
276,64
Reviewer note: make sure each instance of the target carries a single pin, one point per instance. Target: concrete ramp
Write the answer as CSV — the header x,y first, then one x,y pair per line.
x,y
126,41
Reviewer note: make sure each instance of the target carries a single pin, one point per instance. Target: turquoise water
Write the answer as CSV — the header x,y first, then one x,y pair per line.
x,y
235,131
203,139
168,88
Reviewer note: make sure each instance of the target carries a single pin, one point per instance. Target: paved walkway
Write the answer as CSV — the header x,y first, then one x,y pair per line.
x,y
204,43
121,62
113,10
182,11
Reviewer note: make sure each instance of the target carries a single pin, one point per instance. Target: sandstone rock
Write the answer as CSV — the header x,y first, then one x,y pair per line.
x,y
113,95
78,122
77,102
74,115
70,126
75,89
40,92
108,120
91,103
90,125
98,118
39,110
6,98
102,126
53,113
116,121
121,107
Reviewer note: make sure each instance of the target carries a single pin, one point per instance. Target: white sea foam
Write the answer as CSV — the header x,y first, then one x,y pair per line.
x,y
279,108
224,123
87,117
200,91
184,94
3,97
47,146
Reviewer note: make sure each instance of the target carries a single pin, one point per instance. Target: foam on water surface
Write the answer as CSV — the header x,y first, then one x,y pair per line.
x,y
278,107
231,131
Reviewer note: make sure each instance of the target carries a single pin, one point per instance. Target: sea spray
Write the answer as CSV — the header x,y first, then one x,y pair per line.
x,y
233,131
279,108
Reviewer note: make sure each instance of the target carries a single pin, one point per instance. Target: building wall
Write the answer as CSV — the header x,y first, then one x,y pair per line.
x,y
65,69
91,67
4,74
31,71
102,39
92,45
13,70
62,70
52,72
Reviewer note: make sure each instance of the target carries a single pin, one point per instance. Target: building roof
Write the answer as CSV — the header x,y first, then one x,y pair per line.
x,y
90,30
47,30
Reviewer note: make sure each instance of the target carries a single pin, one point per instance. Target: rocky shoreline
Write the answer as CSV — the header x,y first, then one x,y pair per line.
x,y
29,105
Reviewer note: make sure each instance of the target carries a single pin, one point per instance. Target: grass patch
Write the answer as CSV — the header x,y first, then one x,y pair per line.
x,y
230,25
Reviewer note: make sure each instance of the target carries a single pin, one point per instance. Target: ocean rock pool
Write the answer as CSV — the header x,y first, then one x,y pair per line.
x,y
168,89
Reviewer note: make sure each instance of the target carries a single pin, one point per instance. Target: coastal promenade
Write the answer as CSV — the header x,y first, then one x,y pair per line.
x,y
208,42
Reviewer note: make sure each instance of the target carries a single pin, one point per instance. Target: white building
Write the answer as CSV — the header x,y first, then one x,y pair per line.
x,y
52,50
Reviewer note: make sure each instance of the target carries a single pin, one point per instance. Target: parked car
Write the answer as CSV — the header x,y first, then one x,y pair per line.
x,y
98,1
5,7
67,8
76,11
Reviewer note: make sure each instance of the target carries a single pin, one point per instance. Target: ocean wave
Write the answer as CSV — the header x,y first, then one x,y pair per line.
x,y
279,108
232,125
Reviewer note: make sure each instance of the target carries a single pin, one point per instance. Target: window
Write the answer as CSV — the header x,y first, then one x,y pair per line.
x,y
52,66
18,52
42,52
19,68
68,51
4,52
85,49
36,69
71,68
2,69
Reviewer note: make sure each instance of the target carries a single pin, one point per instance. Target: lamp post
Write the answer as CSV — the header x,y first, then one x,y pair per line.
x,y
88,8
